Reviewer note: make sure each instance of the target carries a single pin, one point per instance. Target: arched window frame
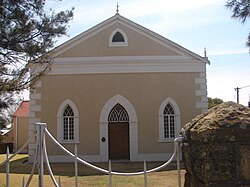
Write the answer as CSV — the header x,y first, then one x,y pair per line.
x,y
177,120
118,44
60,117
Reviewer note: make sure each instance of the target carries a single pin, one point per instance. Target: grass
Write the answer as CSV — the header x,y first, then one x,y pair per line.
x,y
88,177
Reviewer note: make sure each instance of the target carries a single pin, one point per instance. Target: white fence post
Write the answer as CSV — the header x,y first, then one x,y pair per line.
x,y
59,181
145,174
41,134
178,162
23,182
110,174
76,167
7,166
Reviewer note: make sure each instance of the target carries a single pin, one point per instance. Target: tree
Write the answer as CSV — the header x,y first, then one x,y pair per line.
x,y
241,11
27,33
6,115
213,102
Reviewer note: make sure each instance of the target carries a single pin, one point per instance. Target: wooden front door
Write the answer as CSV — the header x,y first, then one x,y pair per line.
x,y
118,130
119,140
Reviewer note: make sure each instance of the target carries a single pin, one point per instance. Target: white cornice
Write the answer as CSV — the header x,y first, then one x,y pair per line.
x,y
125,69
125,64
117,59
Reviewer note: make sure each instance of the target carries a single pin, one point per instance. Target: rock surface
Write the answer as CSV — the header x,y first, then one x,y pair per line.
x,y
216,147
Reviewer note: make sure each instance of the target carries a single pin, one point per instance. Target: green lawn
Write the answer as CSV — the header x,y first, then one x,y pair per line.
x,y
88,177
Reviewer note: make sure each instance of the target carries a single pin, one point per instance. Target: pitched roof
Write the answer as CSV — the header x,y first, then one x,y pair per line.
x,y
23,110
117,18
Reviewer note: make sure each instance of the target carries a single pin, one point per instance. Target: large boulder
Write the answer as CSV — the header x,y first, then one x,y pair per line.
x,y
216,147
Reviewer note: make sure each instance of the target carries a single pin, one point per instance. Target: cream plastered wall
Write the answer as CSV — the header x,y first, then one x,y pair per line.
x,y
98,45
145,91
20,132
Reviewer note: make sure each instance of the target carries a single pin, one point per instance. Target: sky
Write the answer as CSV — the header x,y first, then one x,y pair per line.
x,y
193,24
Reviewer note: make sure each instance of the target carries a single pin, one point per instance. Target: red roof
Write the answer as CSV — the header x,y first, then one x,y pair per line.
x,y
23,110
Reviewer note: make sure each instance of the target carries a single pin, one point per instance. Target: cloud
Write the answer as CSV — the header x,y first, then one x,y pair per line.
x,y
194,24
87,12
142,7
229,52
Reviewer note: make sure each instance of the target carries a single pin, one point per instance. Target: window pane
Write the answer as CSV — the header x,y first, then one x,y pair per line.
x,y
168,109
68,123
123,116
113,116
172,133
118,114
118,37
166,127
65,128
68,111
169,122
71,128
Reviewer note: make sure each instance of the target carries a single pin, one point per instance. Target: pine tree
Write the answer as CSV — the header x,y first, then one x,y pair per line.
x,y
241,11
27,33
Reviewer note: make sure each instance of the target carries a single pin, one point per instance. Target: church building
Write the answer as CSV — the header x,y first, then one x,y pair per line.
x,y
118,91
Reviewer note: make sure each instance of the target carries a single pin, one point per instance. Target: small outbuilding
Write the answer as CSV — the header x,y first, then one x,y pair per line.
x,y
20,126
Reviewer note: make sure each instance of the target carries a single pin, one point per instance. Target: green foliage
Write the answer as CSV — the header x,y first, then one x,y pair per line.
x,y
27,33
2,123
241,11
213,102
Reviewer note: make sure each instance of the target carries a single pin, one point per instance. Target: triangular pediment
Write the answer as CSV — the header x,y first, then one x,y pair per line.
x,y
137,41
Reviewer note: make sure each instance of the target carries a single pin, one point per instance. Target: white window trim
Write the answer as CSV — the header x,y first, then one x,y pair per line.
x,y
60,122
161,119
118,44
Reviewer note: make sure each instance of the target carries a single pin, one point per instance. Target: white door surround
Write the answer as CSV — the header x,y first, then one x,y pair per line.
x,y
103,123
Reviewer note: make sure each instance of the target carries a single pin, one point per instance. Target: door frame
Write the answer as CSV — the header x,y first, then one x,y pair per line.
x,y
103,126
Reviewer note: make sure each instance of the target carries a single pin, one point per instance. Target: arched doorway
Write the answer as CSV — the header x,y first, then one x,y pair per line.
x,y
103,125
118,133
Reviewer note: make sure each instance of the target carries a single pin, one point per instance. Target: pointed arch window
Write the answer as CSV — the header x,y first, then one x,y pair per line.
x,y
68,123
118,114
169,120
118,38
